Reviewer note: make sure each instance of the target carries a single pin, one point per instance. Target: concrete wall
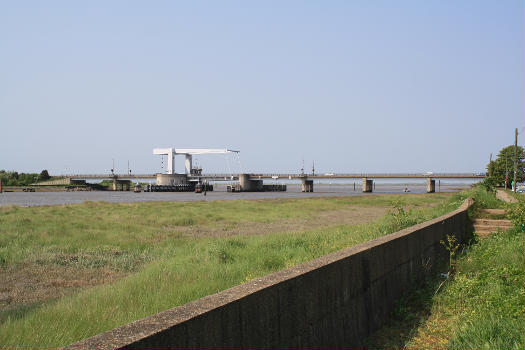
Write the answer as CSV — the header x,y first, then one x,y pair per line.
x,y
331,302
64,181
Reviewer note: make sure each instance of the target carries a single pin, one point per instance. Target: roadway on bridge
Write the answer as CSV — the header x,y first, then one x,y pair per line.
x,y
228,177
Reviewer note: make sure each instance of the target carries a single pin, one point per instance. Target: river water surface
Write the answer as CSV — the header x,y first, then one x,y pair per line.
x,y
293,191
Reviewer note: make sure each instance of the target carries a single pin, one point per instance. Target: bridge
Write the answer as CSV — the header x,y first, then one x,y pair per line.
x,y
108,176
283,176
352,176
253,182
247,182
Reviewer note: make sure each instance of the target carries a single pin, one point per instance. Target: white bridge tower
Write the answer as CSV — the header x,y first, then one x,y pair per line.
x,y
188,152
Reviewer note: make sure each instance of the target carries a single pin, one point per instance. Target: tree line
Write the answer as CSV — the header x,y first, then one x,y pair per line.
x,y
13,178
502,169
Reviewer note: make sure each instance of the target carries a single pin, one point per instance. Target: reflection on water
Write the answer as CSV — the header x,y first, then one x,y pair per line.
x,y
294,191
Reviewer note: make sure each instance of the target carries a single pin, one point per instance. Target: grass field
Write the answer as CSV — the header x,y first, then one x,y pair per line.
x,y
111,264
481,307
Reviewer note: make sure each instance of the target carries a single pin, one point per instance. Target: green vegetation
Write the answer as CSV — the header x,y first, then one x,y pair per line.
x,y
486,302
44,175
13,178
516,211
504,165
106,184
484,199
481,307
167,262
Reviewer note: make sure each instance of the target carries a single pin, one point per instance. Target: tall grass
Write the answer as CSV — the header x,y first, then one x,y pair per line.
x,y
144,229
481,307
486,301
179,269
485,199
489,291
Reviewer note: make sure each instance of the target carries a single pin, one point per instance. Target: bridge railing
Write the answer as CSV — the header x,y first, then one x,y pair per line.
x,y
371,175
283,175
109,176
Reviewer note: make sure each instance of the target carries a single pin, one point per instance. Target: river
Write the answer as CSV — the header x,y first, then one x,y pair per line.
x,y
294,191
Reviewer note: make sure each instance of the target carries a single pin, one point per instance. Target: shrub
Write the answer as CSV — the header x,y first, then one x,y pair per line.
x,y
399,218
488,184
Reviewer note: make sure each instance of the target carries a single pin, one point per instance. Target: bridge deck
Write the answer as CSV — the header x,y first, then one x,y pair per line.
x,y
287,176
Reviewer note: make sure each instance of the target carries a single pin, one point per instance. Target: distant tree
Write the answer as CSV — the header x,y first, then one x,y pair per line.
x,y
504,164
13,178
27,179
44,175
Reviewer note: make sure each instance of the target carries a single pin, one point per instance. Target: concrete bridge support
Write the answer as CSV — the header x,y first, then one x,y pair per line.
x,y
368,185
121,185
248,184
307,185
431,185
244,181
171,179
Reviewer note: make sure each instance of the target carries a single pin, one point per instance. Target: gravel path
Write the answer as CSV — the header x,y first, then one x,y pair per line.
x,y
504,196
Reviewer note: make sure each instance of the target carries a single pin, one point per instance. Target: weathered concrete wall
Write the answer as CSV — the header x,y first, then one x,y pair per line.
x,y
64,181
331,302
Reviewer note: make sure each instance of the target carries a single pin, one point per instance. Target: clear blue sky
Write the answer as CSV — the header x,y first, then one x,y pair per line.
x,y
356,86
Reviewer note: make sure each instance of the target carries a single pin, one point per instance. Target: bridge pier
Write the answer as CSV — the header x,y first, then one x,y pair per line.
x,y
121,185
171,179
431,185
307,185
248,184
367,185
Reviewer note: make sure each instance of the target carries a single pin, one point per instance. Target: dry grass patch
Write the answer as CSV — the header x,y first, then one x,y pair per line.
x,y
435,334
329,218
32,284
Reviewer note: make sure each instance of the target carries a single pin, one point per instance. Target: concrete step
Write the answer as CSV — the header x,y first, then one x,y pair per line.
x,y
489,229
493,211
484,230
484,234
496,222
485,227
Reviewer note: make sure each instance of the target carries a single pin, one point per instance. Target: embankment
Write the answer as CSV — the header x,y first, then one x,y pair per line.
x,y
331,302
